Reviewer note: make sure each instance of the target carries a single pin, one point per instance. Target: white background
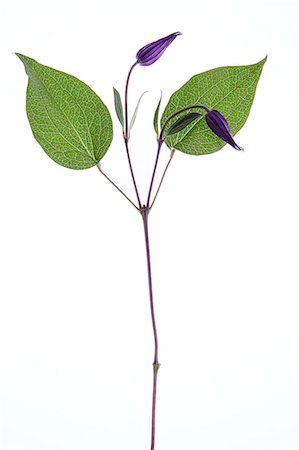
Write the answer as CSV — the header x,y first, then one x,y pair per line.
x,y
76,342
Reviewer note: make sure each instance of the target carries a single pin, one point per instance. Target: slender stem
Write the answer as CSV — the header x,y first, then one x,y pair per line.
x,y
161,139
156,365
162,178
132,172
115,185
160,142
126,132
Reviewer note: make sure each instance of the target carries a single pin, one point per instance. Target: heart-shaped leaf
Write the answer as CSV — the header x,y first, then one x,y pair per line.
x,y
230,90
67,118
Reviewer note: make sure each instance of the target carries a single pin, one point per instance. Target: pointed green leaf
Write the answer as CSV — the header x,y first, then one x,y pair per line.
x,y
156,116
118,107
136,111
182,123
229,89
67,118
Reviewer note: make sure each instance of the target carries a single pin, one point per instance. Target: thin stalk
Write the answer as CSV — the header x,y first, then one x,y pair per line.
x,y
161,139
160,142
162,178
156,365
115,185
132,172
126,134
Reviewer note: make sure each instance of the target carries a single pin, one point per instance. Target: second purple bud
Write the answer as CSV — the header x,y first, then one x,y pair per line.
x,y
220,127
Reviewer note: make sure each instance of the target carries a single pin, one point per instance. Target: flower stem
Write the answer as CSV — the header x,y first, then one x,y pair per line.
x,y
126,132
127,136
160,142
162,178
132,172
156,365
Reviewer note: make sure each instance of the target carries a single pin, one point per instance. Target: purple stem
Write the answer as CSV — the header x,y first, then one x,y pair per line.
x,y
126,134
132,172
162,178
161,139
160,142
156,365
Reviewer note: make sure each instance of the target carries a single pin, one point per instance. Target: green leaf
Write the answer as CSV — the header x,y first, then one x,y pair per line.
x,y
118,107
136,111
229,89
67,118
156,116
182,123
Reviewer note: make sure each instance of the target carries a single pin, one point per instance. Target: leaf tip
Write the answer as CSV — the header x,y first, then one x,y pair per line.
x,y
262,61
23,58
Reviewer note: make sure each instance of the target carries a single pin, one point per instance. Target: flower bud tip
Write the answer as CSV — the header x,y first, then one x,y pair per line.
x,y
150,53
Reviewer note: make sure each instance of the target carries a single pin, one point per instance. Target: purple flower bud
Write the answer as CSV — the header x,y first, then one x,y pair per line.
x,y
219,126
149,54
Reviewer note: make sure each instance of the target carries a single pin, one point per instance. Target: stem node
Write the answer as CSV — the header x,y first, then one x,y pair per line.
x,y
156,367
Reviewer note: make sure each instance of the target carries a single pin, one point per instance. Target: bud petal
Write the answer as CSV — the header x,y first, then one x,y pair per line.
x,y
220,127
149,54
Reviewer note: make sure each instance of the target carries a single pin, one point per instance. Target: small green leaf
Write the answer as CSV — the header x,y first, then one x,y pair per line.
x,y
156,116
230,90
157,367
118,107
136,111
182,123
67,118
